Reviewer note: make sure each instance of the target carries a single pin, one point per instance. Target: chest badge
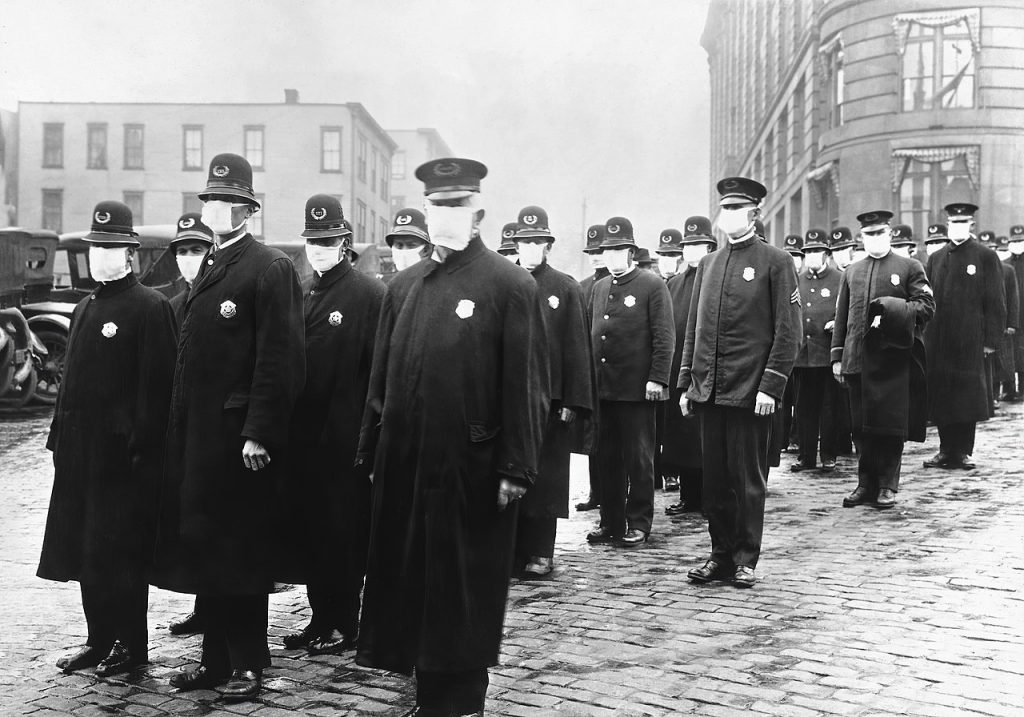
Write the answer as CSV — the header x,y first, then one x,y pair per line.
x,y
109,330
335,318
553,301
825,293
895,279
748,274
630,301
465,309
228,309
971,270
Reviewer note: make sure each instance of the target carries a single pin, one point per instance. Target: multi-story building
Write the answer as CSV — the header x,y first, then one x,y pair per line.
x,y
155,158
8,166
843,106
415,146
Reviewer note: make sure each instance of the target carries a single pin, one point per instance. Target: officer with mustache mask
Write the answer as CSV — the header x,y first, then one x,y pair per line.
x,y
507,248
192,240
408,239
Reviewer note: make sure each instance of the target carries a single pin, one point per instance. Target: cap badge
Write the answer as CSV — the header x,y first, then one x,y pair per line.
x,y
837,235
109,330
220,170
335,318
665,238
614,229
101,217
318,213
530,219
971,270
508,233
691,227
592,233
629,301
464,309
553,301
451,169
228,309
791,240
730,184
812,235
895,279
825,293
403,219
187,223
748,274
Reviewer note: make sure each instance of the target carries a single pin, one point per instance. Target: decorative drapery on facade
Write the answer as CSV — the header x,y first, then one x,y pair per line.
x,y
821,178
942,18
970,153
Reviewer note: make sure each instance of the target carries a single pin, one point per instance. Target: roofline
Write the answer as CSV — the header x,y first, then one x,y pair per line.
x,y
358,108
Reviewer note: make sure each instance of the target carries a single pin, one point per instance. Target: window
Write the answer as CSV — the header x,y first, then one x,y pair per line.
x,y
758,167
192,141
330,149
360,221
97,148
398,165
53,210
53,144
134,200
134,135
796,211
769,158
928,179
832,57
190,202
385,178
373,171
361,159
255,224
373,226
799,107
781,155
938,66
383,228
254,147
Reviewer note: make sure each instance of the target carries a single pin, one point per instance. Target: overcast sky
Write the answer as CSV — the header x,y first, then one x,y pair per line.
x,y
563,100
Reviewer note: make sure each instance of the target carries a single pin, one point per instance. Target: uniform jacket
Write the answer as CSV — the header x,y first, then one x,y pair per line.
x,y
325,500
178,306
240,367
970,314
743,332
107,437
632,333
1017,264
1005,354
819,292
459,393
587,285
681,434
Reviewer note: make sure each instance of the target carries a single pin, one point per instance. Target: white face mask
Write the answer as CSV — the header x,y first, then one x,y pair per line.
x,y
958,231
324,258
404,258
617,261
217,215
693,253
596,261
814,260
878,245
932,247
903,251
798,262
668,265
1017,248
512,258
531,255
734,222
843,257
108,264
450,227
188,265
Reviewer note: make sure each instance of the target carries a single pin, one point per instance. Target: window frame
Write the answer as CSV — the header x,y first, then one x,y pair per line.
x,y
936,80
129,149
185,129
261,129
43,209
361,147
58,162
324,131
101,160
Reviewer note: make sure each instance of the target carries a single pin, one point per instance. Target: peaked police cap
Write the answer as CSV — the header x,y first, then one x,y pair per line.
x,y
325,218
230,175
595,235
451,174
902,235
817,239
670,242
112,224
409,224
190,227
618,232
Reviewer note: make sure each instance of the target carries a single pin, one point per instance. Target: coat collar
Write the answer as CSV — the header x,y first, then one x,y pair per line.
x,y
953,246
628,276
113,288
222,259
458,259
332,275
748,242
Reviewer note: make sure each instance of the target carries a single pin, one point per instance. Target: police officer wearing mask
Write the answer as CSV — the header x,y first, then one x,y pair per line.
x,y
192,240
842,247
507,247
240,367
785,435
970,318
794,246
903,243
742,338
572,394
459,398
1000,364
632,336
408,238
884,302
1015,247
936,239
107,438
669,253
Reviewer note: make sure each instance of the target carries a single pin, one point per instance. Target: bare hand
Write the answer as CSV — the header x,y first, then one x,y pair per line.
x,y
829,325
684,405
566,415
1010,331
876,322
508,492
655,391
837,372
255,456
988,351
764,405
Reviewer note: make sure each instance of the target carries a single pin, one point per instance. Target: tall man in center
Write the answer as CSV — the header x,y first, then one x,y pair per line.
x,y
742,339
459,396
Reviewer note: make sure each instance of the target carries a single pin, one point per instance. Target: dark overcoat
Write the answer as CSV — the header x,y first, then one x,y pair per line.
x,y
1005,355
681,438
573,385
240,367
970,314
325,500
818,292
178,306
892,365
107,437
587,285
459,388
1016,262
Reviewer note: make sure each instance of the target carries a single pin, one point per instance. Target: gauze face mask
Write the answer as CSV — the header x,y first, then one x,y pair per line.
x,y
216,214
668,265
693,253
531,255
617,260
958,231
450,227
188,265
932,247
843,257
1017,248
597,261
903,251
404,258
513,257
323,258
108,264
734,222
798,262
878,245
814,260
1003,254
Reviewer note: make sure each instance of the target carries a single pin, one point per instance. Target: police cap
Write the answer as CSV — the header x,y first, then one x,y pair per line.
x,y
451,174
230,175
112,225
409,224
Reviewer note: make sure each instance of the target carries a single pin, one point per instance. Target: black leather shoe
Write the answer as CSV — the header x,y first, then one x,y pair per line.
x,y
675,509
333,643
188,625
744,577
709,571
301,639
601,535
939,460
859,496
886,499
120,660
966,463
539,568
632,539
801,466
243,685
828,465
86,657
589,504
198,679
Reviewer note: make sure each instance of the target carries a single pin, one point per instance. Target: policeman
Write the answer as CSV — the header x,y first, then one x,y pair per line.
x,y
240,367
818,395
842,247
785,431
192,240
507,248
107,438
970,318
572,394
1003,247
877,349
632,335
1001,364
794,246
681,447
408,238
742,339
936,239
903,243
1015,246
669,253
644,260
459,390
842,243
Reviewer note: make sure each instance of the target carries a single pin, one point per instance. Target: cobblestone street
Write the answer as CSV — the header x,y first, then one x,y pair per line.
x,y
913,611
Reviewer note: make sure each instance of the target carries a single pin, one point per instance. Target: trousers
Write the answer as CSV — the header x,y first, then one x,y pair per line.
x,y
116,614
626,464
459,693
957,439
236,632
815,405
335,605
535,537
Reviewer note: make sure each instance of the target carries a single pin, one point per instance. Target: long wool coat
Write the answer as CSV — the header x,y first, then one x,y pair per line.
x,y
1016,262
107,437
681,437
460,391
970,314
1005,355
240,367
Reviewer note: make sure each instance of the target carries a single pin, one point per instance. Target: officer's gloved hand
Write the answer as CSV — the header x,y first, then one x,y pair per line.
x,y
509,491
837,372
829,325
655,391
255,455
764,405
684,405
